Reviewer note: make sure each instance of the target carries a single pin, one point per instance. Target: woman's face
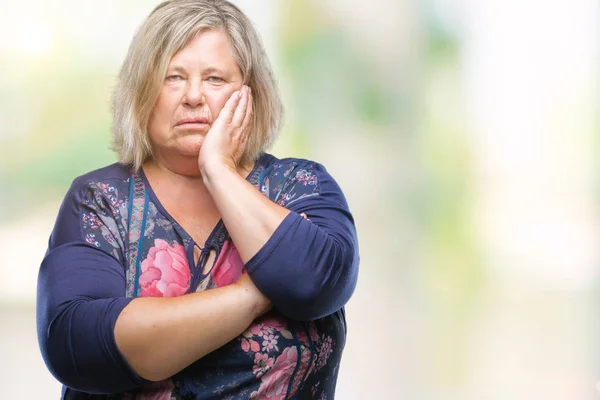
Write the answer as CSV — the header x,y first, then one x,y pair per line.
x,y
200,79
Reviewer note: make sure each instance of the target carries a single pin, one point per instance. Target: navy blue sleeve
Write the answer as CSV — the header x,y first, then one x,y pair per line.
x,y
309,268
81,292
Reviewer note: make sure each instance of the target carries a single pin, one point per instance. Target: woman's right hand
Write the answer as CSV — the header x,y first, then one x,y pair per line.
x,y
261,302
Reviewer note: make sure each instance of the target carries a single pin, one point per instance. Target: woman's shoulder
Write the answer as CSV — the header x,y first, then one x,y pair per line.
x,y
292,169
272,163
111,181
104,190
288,179
94,210
115,174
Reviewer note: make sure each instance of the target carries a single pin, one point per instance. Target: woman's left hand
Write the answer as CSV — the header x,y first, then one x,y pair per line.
x,y
226,140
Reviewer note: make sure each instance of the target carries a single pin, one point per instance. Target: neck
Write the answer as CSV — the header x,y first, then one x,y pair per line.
x,y
181,177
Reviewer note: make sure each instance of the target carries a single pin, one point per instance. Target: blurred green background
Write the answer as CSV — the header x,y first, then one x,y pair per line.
x,y
464,134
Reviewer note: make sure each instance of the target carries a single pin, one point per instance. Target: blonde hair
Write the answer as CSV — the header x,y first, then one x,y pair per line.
x,y
166,31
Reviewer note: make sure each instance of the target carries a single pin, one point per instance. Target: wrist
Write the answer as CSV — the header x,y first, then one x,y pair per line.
x,y
257,303
212,171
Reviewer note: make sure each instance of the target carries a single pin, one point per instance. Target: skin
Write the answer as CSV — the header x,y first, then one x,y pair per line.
x,y
196,175
200,79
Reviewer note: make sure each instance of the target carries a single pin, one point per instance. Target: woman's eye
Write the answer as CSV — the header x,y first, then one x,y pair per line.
x,y
174,78
215,79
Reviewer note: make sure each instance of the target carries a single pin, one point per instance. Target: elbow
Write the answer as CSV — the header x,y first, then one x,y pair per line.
x,y
314,303
59,360
304,305
54,347
326,292
77,362
64,367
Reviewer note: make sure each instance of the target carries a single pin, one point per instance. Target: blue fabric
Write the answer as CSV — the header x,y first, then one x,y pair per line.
x,y
308,268
78,305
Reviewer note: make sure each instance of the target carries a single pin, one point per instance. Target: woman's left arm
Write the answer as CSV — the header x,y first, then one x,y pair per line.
x,y
307,268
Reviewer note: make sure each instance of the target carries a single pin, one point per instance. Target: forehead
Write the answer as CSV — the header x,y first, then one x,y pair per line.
x,y
207,47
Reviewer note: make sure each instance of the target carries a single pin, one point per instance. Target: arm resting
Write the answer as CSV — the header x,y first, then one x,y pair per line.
x,y
308,271
95,340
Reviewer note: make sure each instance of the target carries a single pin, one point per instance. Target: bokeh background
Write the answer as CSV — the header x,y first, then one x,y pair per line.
x,y
465,134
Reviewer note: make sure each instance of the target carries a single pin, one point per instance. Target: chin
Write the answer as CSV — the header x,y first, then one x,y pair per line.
x,y
189,145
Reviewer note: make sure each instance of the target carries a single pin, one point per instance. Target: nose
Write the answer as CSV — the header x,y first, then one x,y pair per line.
x,y
194,93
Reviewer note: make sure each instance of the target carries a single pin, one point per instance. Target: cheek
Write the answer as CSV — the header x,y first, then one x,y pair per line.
x,y
165,106
217,101
160,121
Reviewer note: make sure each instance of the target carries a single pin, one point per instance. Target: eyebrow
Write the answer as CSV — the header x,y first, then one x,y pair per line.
x,y
214,70
209,70
176,69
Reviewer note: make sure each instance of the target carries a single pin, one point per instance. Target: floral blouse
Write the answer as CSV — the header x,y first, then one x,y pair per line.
x,y
113,241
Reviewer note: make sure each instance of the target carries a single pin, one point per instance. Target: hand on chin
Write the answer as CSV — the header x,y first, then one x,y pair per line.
x,y
226,140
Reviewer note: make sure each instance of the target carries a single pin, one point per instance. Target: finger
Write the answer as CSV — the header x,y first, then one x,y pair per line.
x,y
246,127
241,142
246,124
228,109
240,110
241,146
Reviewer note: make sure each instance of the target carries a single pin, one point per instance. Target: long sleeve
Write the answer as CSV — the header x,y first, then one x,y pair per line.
x,y
308,268
81,292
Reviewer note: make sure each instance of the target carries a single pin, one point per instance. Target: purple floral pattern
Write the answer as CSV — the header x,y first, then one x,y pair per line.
x,y
275,358
103,218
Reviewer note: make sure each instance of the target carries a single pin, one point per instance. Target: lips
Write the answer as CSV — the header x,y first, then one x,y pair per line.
x,y
192,121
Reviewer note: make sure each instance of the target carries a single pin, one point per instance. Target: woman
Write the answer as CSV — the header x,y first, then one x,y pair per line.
x,y
199,266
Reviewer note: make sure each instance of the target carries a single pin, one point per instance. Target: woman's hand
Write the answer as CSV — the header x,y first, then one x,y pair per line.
x,y
261,303
226,140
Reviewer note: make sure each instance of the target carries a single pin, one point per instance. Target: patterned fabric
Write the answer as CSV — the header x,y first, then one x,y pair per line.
x,y
275,358
138,204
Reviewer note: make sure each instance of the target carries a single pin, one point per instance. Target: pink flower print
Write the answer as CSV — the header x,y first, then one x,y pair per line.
x,y
165,273
302,337
91,239
256,329
273,320
265,330
275,383
262,364
325,351
228,267
253,330
260,330
305,367
306,177
109,238
326,347
265,326
157,391
250,344
92,220
312,330
270,342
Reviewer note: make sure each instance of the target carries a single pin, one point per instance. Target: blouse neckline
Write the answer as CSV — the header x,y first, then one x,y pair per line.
x,y
251,177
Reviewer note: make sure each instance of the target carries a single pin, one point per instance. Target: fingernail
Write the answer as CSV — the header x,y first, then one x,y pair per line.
x,y
240,94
